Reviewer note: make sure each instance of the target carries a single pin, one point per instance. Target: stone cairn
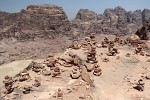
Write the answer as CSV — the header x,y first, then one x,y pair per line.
x,y
106,43
97,71
75,73
56,72
139,50
118,40
75,45
60,94
91,54
37,67
111,50
23,75
37,82
8,81
139,85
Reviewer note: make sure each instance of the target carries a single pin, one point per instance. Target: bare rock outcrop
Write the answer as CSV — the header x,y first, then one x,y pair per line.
x,y
146,14
86,15
144,31
122,17
36,21
137,17
112,21
83,20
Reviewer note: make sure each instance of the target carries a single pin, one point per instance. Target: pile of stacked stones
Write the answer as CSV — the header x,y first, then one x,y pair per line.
x,y
23,75
139,50
91,54
86,43
112,51
91,61
139,85
118,40
91,57
45,68
8,81
105,42
75,73
97,71
75,45
89,46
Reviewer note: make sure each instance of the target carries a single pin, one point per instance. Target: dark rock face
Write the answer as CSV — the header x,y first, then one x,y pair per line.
x,y
122,19
43,21
108,12
146,14
130,17
86,15
112,21
83,20
137,17
144,32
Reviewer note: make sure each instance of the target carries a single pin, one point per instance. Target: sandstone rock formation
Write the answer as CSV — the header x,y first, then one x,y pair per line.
x,y
44,21
112,21
48,21
146,14
83,20
144,31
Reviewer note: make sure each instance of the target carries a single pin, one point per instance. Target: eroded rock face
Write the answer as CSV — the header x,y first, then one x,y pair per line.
x,y
83,20
44,21
144,31
108,12
137,17
86,15
112,21
146,14
48,21
122,17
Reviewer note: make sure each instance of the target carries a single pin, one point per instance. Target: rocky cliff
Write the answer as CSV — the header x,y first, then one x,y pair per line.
x,y
144,31
43,21
48,21
112,21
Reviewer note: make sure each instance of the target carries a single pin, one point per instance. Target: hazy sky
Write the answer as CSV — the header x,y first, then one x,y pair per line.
x,y
72,6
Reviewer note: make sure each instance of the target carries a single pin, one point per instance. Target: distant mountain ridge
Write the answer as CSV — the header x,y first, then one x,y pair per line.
x,y
112,21
48,21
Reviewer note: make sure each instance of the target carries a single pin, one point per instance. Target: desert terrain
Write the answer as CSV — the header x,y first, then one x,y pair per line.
x,y
119,75
44,56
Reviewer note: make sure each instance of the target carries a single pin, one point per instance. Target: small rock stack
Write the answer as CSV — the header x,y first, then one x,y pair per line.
x,y
91,54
